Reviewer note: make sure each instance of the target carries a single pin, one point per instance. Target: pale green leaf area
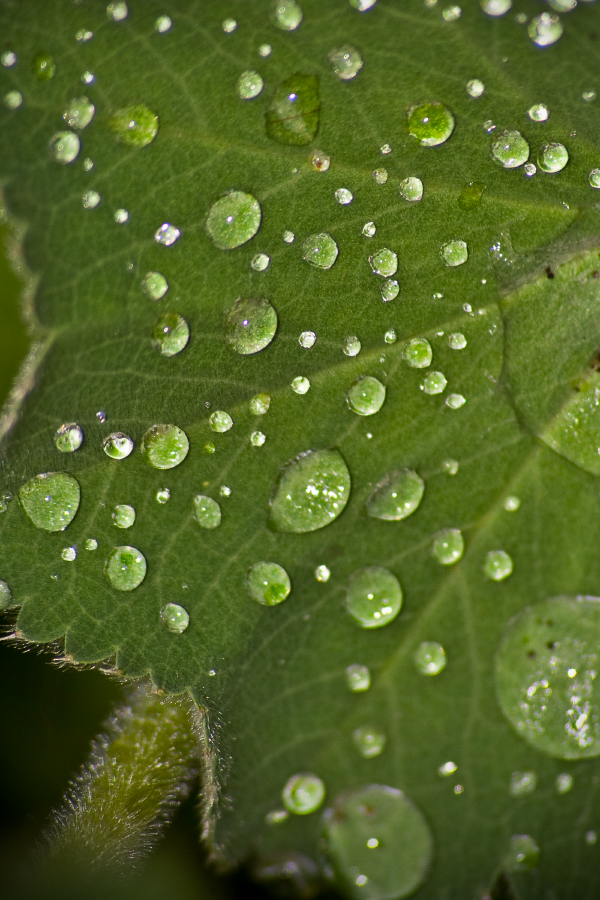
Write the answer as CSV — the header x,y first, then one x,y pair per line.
x,y
272,676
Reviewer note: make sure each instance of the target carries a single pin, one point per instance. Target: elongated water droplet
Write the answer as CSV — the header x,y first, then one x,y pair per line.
x,y
475,88
590,838
312,491
351,345
69,437
123,516
389,290
552,157
418,353
175,618
117,445
594,178
259,405
448,546
294,112
434,383
564,783
286,14
126,568
411,189
167,234
79,113
498,565
510,149
322,574
384,262
43,66
447,768
430,123
64,147
522,783
457,341
135,126
233,220
397,496
165,446
495,7
171,334
249,325
220,421
250,84
51,500
523,853
430,658
377,843
454,253
5,595
346,61
366,396
155,285
83,35
374,597
545,29
358,678
303,793
307,339
320,250
207,511
369,741
268,583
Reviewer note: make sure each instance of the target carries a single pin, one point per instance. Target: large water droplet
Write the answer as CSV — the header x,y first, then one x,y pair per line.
x,y
454,253
358,678
126,568
64,146
249,325
155,285
522,854
397,496
43,66
175,618
134,125
448,546
498,565
220,421
374,597
369,741
312,491
51,500
117,445
552,157
346,62
268,583
510,149
545,29
294,112
377,842
250,84
286,14
430,123
303,793
418,353
366,396
207,511
320,250
233,220
165,446
170,334
384,262
430,658
229,25
260,262
411,189
69,437
123,516
79,113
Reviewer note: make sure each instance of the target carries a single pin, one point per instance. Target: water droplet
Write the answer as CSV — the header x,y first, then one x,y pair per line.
x,y
370,229
300,385
434,383
91,544
121,216
380,176
511,504
552,157
117,445
69,437
475,87
293,114
88,78
228,25
43,66
496,7
457,341
418,353
452,13
265,50
594,178
165,446
319,161
448,546
250,84
171,334
454,253
389,290
390,337
167,234
510,149
175,618
83,35
260,262
351,345
69,554
312,491
539,112
447,768
64,146
307,339
498,565
286,14
369,741
275,817
249,325
320,250
13,99
163,496
322,574
564,783
366,396
259,405
384,262
79,113
123,516
522,783
289,237
377,840
225,491
397,496
343,196
257,438
88,164
303,793
450,466
135,126
207,511
117,11
233,220
162,24
5,595
358,678
374,597
523,853
430,123
90,199
268,583
455,401
51,500
155,285
126,568
346,62
430,658
545,29
590,838
220,421
8,58
411,189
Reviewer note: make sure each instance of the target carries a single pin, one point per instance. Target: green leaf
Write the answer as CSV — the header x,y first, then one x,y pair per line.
x,y
514,331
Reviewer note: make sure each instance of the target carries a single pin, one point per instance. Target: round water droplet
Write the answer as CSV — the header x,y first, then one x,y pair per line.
x,y
351,345
374,597
220,421
411,189
233,220
552,157
454,253
167,234
319,161
155,285
512,503
380,176
369,741
162,24
163,496
257,438
430,658
366,396
91,544
451,13
43,66
450,466
418,353
286,14
175,618
260,262
117,445
303,793
289,237
90,199
362,5
455,401
447,768
343,196
259,405
322,574
346,62
498,565
390,337
312,491
88,164
545,29
434,383
79,113
8,58
358,678
377,843
594,178
307,339
320,250
268,583
249,325
228,25
123,516
171,334
126,568
369,229
457,341
5,595
13,99
564,783
529,169
384,262
539,112
64,147
430,123
475,87
117,11
207,511
69,437
165,446
225,491
389,290
510,149
88,78
522,783
523,853
448,546
300,385
294,113
121,216
51,500
397,496
265,50
69,554
135,126
250,84
496,7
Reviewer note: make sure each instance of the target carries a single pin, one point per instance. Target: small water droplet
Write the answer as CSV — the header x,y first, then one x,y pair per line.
x,y
397,496
319,161
101,416
411,189
69,554
529,169
496,7
358,678
523,853
369,229
268,583
220,421
257,438
294,112
384,262
175,618
167,234
69,437
322,574
163,24
380,176
155,285
369,741
346,61
300,385
259,405
454,253
510,149
552,157
265,50
455,401
447,768
450,466
126,568
522,783
320,250
90,199
434,383
43,66
564,783
418,353
366,396
594,178
373,597
165,446
51,500
511,504
389,290
351,345
343,196
307,339
430,123
13,99
121,216
5,595
135,126
207,511
539,112
228,25
430,658
498,565
545,29
233,220
83,35
448,546
163,496
91,544
475,88
8,58
289,237
390,337
117,11
88,78
225,491
123,516
303,793
64,146
171,334
117,445
276,816
312,491
79,113
88,164
286,14
452,13
250,84
249,325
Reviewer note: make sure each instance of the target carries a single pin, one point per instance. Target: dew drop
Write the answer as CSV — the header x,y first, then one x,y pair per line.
x,y
545,29
450,466
51,500
320,250
126,568
390,337
380,176
162,24
523,853
87,164
64,147
447,768
5,595
117,445
430,123
155,285
498,565
300,385
351,346
373,597
510,149
411,189
259,404
370,229
289,237
170,334
233,220
397,496
539,112
249,85
366,396
220,421
135,126
434,383
389,290
123,516
88,78
117,11
455,401
312,491
79,113
249,325
552,157
43,66
69,437
475,88
225,491
121,216
257,438
265,50
165,446
268,583
594,178
163,496
457,341
511,504
303,793
590,838
294,112
418,353
448,546
69,554
369,741
167,234
307,339
83,35
589,96
13,99
286,14
452,13
90,199
260,262
522,783
384,262
346,61
207,512
496,7
175,618
454,253
343,196
228,25
430,658
275,817
358,678
8,58
319,161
